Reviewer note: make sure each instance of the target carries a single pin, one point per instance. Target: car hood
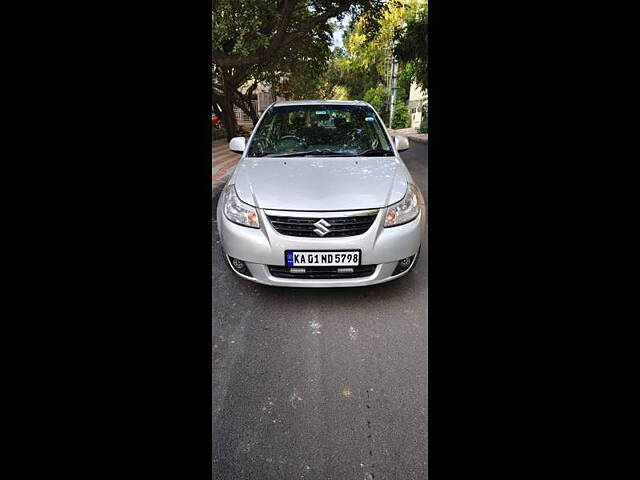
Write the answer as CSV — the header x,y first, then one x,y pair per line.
x,y
321,184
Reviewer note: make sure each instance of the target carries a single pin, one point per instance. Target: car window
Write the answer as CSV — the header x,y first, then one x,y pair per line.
x,y
326,129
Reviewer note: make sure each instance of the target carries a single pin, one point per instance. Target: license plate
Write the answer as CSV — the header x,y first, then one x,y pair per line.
x,y
343,258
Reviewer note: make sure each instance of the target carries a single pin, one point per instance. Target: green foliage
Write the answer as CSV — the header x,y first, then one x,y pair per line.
x,y
400,116
412,45
357,80
244,31
252,32
264,40
368,50
316,78
338,92
365,63
405,77
302,58
240,27
377,97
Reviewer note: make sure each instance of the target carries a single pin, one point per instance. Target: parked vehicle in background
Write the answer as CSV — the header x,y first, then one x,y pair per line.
x,y
321,198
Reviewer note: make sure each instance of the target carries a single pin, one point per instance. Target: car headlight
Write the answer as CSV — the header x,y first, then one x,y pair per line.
x,y
405,210
237,211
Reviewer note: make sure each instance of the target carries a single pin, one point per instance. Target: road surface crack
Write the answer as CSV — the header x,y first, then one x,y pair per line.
x,y
370,475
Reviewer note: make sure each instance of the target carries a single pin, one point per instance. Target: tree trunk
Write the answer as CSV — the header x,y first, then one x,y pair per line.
x,y
249,111
228,117
244,103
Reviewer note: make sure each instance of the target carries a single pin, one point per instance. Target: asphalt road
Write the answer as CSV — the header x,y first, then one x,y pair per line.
x,y
321,383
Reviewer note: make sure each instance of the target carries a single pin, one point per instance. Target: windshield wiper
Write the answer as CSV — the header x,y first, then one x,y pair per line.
x,y
375,152
328,153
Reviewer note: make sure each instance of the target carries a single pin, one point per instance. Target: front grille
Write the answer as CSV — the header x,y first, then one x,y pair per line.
x,y
338,226
322,272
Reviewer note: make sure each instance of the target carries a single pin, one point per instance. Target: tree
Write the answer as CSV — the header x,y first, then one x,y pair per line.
x,y
253,32
400,116
365,65
300,63
306,65
356,79
412,45
368,51
377,98
405,77
259,40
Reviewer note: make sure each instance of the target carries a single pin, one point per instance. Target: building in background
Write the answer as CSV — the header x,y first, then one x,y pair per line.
x,y
417,98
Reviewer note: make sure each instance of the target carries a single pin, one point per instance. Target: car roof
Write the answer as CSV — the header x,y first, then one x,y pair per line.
x,y
286,103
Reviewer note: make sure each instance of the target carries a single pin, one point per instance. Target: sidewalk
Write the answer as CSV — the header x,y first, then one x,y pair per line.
x,y
223,161
412,134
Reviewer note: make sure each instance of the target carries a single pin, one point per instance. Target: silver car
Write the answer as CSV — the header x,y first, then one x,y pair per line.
x,y
320,198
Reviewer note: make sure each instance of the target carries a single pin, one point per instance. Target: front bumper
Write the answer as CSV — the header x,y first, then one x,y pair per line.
x,y
259,248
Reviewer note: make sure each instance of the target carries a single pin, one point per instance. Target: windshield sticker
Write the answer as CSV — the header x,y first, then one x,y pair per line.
x,y
369,119
321,112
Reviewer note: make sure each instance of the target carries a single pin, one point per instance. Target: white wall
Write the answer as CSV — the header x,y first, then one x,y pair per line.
x,y
416,98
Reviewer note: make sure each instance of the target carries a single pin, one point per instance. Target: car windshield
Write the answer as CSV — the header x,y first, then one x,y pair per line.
x,y
319,130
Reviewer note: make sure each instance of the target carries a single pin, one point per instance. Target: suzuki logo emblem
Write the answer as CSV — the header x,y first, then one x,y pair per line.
x,y
322,225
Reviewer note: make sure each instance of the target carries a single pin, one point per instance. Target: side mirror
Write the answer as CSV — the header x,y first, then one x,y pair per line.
x,y
238,144
402,143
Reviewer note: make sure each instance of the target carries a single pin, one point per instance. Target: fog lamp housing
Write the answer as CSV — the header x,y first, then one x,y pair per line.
x,y
239,266
403,265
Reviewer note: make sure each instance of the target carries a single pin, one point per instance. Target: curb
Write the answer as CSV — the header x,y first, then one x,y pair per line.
x,y
412,134
217,187
419,139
